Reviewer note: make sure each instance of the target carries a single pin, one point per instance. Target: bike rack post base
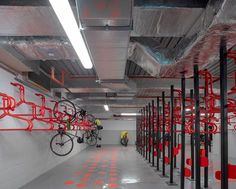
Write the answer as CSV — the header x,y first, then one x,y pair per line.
x,y
171,183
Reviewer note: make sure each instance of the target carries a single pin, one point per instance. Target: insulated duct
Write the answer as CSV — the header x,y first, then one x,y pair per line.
x,y
29,21
163,21
106,26
139,54
218,19
205,49
44,49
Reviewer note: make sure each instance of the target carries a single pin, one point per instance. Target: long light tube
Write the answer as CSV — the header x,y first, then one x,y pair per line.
x,y
66,17
129,114
106,107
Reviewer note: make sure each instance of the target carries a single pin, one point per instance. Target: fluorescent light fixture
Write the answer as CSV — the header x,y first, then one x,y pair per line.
x,y
65,15
129,114
106,107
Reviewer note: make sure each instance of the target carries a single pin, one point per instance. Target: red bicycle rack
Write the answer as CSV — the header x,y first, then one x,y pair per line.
x,y
39,113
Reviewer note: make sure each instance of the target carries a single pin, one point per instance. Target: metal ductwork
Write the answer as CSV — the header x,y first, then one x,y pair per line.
x,y
119,85
164,21
219,18
43,48
107,25
205,49
139,54
29,21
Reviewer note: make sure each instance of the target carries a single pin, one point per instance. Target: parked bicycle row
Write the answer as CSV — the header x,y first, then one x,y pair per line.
x,y
62,116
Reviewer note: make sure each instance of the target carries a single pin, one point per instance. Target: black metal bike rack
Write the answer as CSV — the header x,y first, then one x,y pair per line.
x,y
163,136
149,132
223,114
171,136
150,128
197,129
153,134
158,133
206,137
146,133
182,175
192,140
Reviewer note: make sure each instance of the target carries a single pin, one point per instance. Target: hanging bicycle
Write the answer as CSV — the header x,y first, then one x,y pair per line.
x,y
73,120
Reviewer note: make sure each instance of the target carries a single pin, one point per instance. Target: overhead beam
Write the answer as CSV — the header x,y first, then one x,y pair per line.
x,y
77,85
171,3
141,83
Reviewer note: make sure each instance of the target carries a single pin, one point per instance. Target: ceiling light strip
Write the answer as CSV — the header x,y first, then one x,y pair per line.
x,y
66,17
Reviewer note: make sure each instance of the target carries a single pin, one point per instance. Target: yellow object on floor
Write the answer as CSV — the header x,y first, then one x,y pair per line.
x,y
124,134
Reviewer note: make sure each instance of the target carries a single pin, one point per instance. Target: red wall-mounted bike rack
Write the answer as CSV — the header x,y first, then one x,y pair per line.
x,y
39,112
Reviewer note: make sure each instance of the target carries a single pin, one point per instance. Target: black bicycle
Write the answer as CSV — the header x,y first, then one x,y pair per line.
x,y
92,136
65,112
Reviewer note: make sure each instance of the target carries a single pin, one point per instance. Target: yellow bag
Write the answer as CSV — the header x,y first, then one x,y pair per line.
x,y
97,122
124,134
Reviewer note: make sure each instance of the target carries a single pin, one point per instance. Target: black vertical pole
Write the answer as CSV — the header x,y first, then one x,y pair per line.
x,y
192,140
169,148
153,134
223,115
163,135
171,182
197,128
175,141
206,136
140,134
140,131
137,134
146,133
158,133
182,178
143,129
149,132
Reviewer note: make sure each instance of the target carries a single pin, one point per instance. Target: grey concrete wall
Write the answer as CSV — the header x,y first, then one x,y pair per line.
x,y
24,155
113,128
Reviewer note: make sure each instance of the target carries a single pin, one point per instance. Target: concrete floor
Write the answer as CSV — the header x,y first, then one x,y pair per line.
x,y
108,167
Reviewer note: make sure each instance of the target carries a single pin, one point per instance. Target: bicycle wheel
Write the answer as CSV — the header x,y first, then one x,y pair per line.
x,y
61,144
64,111
91,140
96,131
124,141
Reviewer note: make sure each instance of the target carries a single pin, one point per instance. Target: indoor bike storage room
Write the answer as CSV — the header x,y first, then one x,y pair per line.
x,y
117,94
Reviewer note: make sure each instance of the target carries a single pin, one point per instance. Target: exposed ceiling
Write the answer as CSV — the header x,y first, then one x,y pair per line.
x,y
138,47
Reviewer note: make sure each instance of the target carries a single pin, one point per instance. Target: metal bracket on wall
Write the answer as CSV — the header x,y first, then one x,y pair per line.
x,y
53,77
